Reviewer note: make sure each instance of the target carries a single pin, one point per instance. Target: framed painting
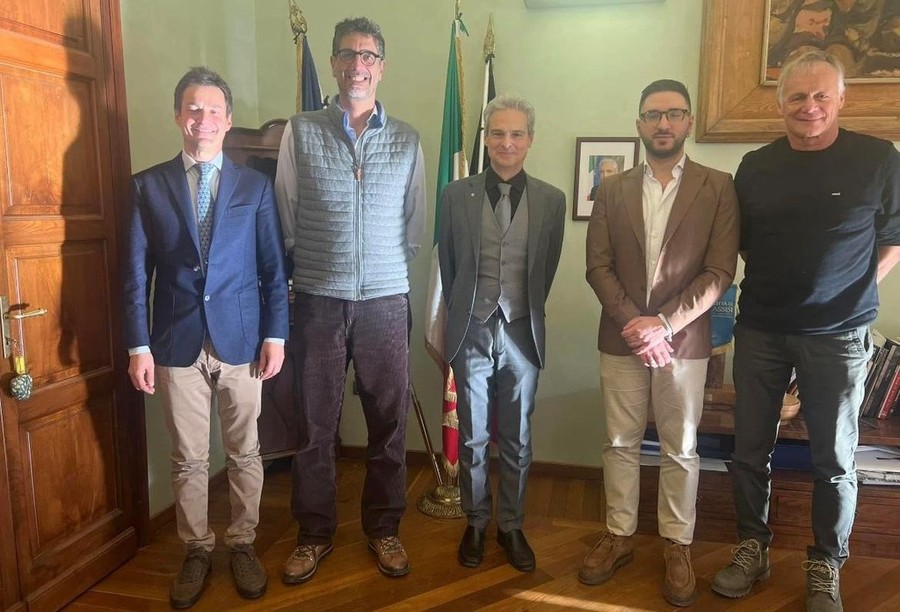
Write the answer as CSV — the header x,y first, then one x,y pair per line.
x,y
595,159
744,43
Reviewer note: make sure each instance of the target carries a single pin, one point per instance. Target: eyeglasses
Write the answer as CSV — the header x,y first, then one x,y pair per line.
x,y
348,55
674,115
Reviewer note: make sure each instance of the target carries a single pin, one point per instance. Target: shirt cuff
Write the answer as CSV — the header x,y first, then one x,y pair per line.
x,y
279,341
138,350
669,331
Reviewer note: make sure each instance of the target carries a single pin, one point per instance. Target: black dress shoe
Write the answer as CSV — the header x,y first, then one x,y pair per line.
x,y
471,548
518,552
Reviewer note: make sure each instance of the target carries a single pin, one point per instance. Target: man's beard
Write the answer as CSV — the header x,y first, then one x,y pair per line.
x,y
677,147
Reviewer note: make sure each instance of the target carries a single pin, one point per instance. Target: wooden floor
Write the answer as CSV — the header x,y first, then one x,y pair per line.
x,y
563,520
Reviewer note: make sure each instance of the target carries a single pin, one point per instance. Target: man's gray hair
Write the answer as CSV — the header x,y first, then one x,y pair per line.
x,y
805,61
510,102
357,25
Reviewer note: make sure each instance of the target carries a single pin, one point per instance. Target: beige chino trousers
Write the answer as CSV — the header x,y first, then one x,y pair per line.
x,y
675,394
187,395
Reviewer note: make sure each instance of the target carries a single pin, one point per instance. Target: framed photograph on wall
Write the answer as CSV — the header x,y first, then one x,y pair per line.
x,y
596,158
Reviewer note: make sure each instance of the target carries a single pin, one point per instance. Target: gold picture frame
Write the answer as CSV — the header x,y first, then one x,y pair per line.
x,y
735,104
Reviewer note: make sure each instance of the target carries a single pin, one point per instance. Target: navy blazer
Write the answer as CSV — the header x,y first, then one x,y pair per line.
x,y
243,297
459,249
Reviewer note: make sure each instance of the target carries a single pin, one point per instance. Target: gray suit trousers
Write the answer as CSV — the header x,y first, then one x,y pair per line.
x,y
496,372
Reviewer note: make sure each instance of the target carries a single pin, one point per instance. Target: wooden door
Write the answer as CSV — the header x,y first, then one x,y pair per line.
x,y
74,452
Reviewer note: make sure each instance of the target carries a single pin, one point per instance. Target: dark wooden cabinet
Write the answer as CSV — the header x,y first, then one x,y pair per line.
x,y
876,531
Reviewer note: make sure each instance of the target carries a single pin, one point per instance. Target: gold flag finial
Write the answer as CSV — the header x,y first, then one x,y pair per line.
x,y
489,39
298,27
458,10
298,21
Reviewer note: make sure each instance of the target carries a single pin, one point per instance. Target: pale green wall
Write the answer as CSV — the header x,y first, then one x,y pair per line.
x,y
583,69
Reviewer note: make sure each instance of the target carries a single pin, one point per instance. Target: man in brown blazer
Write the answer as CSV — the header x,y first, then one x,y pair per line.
x,y
661,249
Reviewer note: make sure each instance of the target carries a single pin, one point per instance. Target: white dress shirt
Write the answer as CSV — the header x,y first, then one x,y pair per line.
x,y
657,204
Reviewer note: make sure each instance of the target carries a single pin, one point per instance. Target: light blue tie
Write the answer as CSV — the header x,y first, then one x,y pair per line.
x,y
204,208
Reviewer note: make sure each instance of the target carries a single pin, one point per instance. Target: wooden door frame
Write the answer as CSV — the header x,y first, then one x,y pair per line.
x,y
132,400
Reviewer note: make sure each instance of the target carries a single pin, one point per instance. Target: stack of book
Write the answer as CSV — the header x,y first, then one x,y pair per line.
x,y
883,381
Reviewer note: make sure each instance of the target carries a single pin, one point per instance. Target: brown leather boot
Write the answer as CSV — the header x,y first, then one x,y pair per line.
x,y
304,562
680,588
392,558
609,554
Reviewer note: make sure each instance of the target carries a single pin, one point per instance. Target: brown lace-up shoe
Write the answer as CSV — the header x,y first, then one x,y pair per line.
x,y
304,562
680,587
249,574
392,559
608,555
191,579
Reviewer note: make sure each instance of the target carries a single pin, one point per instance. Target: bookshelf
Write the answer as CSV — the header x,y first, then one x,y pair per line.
x,y
876,532
719,419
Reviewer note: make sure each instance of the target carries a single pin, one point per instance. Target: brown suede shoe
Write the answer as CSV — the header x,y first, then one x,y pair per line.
x,y
304,562
191,579
250,578
680,588
392,559
609,554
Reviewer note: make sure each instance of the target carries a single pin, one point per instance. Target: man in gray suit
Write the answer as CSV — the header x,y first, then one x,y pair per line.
x,y
501,237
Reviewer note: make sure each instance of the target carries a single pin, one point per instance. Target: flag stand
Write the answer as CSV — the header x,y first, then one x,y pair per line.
x,y
443,501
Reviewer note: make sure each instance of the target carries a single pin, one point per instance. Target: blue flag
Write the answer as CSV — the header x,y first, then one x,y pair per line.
x,y
311,92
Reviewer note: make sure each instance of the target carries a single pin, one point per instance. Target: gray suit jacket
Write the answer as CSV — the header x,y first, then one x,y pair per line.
x,y
459,247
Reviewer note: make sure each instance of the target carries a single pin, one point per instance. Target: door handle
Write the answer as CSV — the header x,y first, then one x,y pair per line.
x,y
16,315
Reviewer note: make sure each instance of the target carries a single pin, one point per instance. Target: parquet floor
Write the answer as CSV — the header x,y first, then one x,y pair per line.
x,y
563,519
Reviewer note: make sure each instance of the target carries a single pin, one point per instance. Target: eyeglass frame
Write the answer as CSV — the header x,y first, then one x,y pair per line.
x,y
361,54
643,116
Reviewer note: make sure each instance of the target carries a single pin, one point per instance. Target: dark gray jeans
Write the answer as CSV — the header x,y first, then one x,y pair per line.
x,y
831,373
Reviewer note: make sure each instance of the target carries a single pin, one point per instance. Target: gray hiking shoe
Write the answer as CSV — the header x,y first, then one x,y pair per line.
x,y
749,564
823,586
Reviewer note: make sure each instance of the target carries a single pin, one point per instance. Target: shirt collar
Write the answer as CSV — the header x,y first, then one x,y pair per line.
x,y
189,162
375,120
492,179
676,171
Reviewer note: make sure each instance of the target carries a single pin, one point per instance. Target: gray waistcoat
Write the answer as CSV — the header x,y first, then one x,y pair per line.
x,y
350,236
503,265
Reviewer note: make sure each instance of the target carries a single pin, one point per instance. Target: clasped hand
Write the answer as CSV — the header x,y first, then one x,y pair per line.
x,y
646,337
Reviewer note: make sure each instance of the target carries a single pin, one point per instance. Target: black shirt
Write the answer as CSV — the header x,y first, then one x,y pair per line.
x,y
811,224
517,183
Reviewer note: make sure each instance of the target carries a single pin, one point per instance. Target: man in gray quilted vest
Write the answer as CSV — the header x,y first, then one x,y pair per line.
x,y
350,189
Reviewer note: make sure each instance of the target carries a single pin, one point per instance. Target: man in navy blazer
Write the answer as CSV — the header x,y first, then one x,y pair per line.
x,y
205,232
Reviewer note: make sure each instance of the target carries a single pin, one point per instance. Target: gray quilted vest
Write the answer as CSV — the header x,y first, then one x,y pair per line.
x,y
350,234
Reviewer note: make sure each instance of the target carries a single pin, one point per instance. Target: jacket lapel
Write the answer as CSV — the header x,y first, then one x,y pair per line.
x,y
474,201
536,210
176,179
633,195
691,181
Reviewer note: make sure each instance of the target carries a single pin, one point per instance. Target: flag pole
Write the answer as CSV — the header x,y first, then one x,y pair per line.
x,y
299,28
488,58
444,500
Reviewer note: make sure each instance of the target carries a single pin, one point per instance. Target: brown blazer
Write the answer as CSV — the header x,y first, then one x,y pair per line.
x,y
696,263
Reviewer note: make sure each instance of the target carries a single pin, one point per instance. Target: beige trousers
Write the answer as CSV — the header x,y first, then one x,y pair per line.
x,y
675,394
187,395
